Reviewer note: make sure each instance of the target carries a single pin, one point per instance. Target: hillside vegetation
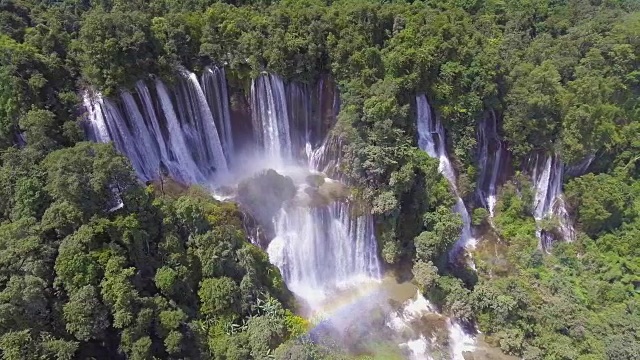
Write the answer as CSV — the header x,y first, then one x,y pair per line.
x,y
93,263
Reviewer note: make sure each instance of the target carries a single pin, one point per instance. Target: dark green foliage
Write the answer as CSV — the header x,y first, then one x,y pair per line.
x,y
91,262
173,276
264,194
115,48
570,302
41,130
600,200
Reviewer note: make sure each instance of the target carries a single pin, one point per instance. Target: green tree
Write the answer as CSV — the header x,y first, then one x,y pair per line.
x,y
85,315
534,111
218,297
41,129
115,48
600,201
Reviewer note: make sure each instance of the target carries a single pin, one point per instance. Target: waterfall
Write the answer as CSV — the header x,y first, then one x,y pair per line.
x,y
419,346
490,156
460,342
549,201
125,141
96,126
291,120
327,251
164,130
327,157
413,310
271,118
214,86
191,173
318,249
144,144
301,114
581,167
431,140
202,134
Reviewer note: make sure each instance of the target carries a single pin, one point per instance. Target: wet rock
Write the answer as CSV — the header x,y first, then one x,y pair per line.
x,y
257,233
334,190
226,191
263,195
314,198
315,180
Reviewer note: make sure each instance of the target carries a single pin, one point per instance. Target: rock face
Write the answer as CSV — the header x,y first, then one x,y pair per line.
x,y
320,191
263,195
241,118
258,234
314,180
334,190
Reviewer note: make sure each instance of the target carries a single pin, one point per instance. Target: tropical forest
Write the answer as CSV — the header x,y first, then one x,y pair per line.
x,y
320,179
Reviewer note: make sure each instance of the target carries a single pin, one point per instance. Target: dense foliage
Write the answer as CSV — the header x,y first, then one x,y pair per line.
x,y
93,264
79,274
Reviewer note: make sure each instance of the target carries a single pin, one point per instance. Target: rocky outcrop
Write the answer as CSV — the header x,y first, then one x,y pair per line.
x,y
263,194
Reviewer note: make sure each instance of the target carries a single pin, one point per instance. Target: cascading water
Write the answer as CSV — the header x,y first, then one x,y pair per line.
x,y
124,140
214,86
491,154
432,141
299,107
96,125
271,117
319,249
177,141
327,157
548,201
162,130
202,134
327,252
291,120
581,167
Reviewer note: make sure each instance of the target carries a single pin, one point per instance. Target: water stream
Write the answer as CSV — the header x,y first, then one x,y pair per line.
x,y
327,252
491,157
431,139
549,202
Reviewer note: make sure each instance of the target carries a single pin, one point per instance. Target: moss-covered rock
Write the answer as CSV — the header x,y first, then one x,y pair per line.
x,y
315,180
314,198
334,190
264,193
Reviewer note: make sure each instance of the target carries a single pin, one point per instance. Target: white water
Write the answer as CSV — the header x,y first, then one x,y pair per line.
x,y
322,251
214,86
327,157
162,130
420,347
271,117
202,134
431,140
190,172
97,130
549,201
490,157
412,310
460,341
319,250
